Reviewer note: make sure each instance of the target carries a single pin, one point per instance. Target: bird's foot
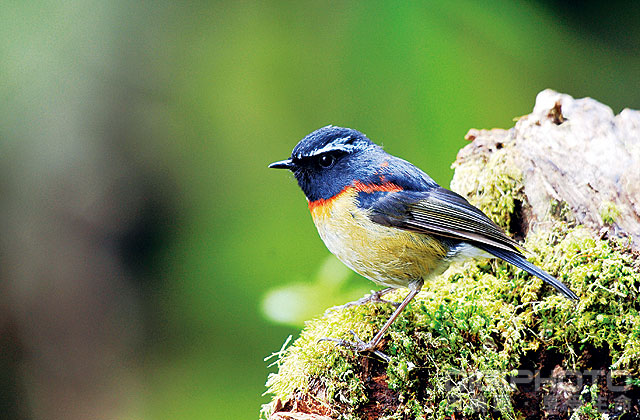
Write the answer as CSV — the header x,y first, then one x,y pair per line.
x,y
359,345
374,296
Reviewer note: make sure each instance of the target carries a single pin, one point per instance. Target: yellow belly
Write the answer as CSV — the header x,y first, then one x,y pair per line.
x,y
388,256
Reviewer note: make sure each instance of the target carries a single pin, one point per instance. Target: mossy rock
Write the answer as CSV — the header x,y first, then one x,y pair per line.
x,y
457,349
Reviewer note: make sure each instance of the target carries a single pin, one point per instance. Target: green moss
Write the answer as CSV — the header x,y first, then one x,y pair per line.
x,y
609,212
454,347
608,281
588,410
321,363
493,184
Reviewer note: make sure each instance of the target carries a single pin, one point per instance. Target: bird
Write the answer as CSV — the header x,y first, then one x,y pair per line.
x,y
389,221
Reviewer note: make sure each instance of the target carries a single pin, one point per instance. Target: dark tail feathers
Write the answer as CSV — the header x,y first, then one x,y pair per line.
x,y
519,261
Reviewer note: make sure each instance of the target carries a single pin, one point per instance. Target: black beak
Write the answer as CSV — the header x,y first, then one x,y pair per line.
x,y
283,164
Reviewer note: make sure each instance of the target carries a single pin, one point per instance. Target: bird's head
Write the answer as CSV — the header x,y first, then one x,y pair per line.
x,y
330,159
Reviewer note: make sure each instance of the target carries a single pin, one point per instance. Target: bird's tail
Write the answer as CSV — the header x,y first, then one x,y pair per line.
x,y
520,262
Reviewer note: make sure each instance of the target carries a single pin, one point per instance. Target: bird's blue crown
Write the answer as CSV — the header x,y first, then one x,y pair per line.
x,y
331,138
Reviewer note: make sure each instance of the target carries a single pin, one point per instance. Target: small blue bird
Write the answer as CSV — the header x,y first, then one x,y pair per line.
x,y
389,221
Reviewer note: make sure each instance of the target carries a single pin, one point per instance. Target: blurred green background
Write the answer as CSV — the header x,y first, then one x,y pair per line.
x,y
147,249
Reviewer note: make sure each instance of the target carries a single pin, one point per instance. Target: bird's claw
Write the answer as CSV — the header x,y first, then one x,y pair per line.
x,y
358,345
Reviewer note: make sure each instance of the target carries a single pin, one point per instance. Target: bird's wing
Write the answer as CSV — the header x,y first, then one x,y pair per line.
x,y
441,212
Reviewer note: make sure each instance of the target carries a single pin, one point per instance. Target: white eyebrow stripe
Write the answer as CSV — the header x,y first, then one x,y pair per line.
x,y
335,145
332,147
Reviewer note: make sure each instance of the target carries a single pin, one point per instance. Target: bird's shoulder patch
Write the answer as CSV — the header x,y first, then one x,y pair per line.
x,y
369,194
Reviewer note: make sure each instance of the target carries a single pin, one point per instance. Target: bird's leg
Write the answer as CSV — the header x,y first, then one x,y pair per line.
x,y
374,296
360,345
378,337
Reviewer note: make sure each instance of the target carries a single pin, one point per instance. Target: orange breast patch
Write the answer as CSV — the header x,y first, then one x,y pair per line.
x,y
322,208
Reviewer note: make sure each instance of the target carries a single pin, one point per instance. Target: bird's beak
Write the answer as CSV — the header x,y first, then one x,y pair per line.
x,y
283,164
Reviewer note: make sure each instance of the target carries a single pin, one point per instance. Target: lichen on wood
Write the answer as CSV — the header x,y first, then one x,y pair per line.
x,y
486,340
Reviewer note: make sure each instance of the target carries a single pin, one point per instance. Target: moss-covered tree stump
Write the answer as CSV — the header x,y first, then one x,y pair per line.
x,y
486,340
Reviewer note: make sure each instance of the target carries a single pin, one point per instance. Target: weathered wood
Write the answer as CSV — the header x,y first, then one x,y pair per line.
x,y
574,154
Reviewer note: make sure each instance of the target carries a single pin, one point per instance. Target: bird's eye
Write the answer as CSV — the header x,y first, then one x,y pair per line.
x,y
326,161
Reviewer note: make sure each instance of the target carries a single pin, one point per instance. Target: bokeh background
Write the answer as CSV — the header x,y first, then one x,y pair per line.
x,y
150,260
